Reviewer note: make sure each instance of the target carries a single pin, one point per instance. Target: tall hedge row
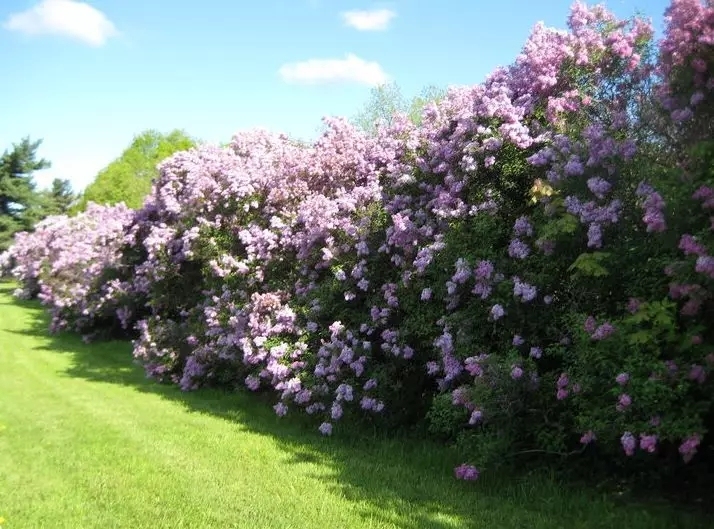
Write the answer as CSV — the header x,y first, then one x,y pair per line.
x,y
529,268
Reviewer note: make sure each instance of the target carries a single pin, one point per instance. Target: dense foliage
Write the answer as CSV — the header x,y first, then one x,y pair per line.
x,y
529,268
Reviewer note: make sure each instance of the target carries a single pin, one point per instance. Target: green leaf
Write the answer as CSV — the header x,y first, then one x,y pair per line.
x,y
567,224
641,337
590,265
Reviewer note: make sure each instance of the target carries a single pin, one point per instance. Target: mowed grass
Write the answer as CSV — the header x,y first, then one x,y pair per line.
x,y
87,442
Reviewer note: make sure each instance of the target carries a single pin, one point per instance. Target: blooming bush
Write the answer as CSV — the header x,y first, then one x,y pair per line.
x,y
69,263
530,268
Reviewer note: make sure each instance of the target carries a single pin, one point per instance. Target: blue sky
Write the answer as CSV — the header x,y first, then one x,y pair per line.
x,y
86,76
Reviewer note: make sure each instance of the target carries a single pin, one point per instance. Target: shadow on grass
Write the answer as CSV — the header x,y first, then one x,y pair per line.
x,y
400,481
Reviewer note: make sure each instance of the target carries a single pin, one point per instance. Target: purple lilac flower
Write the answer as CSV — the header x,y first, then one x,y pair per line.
x,y
518,249
466,472
460,396
476,417
622,378
633,305
252,382
370,384
516,372
562,381
522,227
524,290
653,205
432,368
603,331
629,443
690,246
599,187
497,312
705,265
336,327
595,235
574,167
588,437
484,270
623,402
688,448
648,443
344,392
473,366
369,403
462,273
697,373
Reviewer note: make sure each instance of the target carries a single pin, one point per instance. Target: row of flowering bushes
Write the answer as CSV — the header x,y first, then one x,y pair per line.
x,y
530,268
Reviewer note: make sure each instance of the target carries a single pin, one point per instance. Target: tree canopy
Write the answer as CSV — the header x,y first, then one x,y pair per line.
x,y
387,100
128,178
58,199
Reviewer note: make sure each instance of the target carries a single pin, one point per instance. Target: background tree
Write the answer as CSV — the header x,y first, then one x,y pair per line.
x,y
430,94
20,203
128,178
387,100
59,198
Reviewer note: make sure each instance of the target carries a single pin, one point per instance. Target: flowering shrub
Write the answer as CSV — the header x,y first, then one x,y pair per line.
x,y
68,263
529,268
27,256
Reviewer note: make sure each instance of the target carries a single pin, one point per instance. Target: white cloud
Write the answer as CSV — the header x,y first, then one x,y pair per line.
x,y
67,18
351,69
375,20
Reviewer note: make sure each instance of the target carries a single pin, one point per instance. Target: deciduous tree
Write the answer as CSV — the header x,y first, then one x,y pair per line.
x,y
128,178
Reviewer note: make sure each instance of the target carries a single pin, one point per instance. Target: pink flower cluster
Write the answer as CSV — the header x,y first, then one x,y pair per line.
x,y
64,260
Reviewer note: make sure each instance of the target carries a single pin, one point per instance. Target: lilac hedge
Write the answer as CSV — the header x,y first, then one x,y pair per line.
x,y
530,268
70,264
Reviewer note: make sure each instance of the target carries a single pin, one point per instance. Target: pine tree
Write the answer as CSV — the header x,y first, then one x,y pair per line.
x,y
58,199
20,203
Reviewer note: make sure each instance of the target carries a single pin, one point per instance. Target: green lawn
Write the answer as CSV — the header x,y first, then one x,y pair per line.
x,y
87,442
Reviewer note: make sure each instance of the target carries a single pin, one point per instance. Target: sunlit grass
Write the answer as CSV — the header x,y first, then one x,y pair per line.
x,y
87,442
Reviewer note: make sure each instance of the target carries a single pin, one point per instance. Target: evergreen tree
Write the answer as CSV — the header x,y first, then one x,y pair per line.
x,y
20,203
58,199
